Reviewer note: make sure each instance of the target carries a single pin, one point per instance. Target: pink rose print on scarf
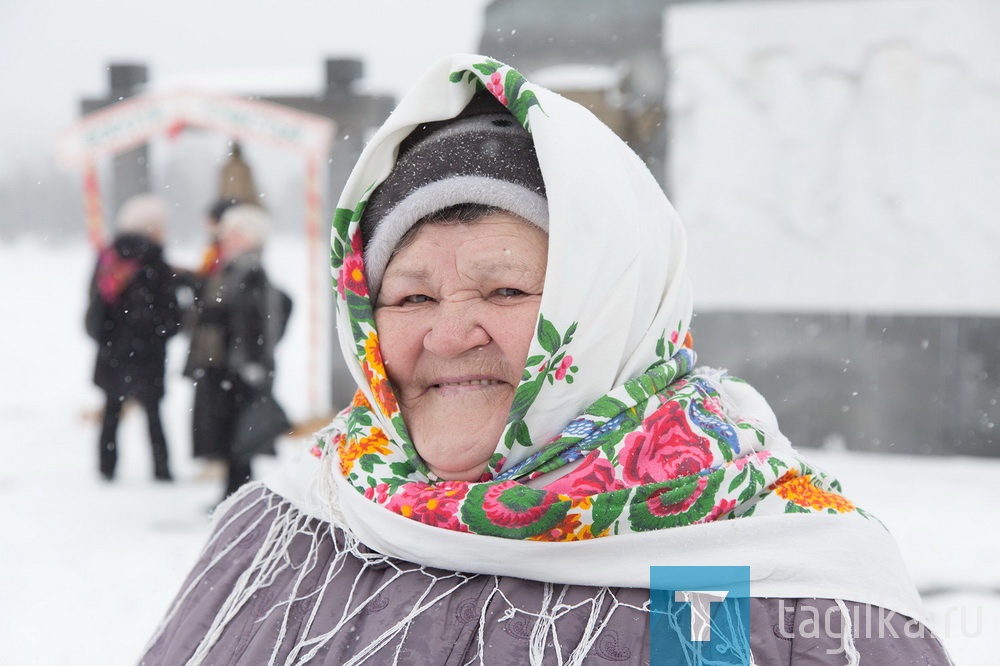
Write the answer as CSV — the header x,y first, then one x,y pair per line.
x,y
758,457
495,86
379,493
352,275
713,405
719,510
435,505
564,367
594,475
666,448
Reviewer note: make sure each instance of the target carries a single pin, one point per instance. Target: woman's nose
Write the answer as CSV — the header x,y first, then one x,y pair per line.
x,y
457,328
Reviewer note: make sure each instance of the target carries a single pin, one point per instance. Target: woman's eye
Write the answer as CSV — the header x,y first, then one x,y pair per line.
x,y
509,292
416,298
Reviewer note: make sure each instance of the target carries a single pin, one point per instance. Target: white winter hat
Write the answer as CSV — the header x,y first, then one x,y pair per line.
x,y
250,221
145,215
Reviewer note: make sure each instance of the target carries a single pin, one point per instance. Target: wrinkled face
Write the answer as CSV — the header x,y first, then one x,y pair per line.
x,y
455,317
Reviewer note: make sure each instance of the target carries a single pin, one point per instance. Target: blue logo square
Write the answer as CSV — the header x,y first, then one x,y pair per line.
x,y
699,615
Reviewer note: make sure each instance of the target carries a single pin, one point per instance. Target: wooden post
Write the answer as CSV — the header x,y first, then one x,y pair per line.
x,y
313,248
92,206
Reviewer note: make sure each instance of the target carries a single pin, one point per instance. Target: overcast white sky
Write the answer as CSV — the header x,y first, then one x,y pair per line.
x,y
54,53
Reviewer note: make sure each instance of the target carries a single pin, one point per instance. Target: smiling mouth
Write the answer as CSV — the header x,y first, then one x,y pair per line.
x,y
470,382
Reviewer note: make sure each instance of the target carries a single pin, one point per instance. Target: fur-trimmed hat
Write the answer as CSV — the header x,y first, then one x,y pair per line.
x,y
482,156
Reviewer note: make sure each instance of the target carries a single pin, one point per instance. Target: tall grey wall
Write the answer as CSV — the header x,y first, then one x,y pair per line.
x,y
839,155
834,163
915,384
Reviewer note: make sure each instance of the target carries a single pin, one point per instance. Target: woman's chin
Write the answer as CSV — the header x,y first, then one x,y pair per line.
x,y
470,475
456,433
460,451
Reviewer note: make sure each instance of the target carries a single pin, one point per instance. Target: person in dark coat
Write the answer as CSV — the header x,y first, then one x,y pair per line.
x,y
206,437
240,318
132,313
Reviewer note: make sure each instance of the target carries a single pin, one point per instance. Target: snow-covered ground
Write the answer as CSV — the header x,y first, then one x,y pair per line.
x,y
87,568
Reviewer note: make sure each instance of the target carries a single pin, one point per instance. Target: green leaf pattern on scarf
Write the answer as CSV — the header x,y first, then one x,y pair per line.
x,y
649,466
555,366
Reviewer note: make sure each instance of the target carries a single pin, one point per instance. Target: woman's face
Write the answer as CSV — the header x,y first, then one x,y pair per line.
x,y
231,244
455,317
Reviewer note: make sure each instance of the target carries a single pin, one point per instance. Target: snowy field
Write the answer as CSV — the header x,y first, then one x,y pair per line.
x,y
87,568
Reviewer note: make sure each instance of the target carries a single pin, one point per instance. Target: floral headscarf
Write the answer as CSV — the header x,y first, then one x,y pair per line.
x,y
611,430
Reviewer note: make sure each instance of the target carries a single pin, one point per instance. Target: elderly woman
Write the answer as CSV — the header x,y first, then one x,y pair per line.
x,y
530,434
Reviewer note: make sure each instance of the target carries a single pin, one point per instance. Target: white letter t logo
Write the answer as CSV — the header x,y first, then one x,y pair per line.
x,y
701,604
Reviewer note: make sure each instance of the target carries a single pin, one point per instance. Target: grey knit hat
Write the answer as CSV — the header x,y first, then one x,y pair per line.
x,y
482,156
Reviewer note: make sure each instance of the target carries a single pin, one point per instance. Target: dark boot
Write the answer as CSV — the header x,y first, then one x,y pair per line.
x,y
239,473
158,441
109,458
107,452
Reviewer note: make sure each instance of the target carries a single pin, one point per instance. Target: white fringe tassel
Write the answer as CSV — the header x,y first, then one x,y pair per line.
x,y
272,559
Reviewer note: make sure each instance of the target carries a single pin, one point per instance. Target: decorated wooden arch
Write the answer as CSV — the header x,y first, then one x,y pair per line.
x,y
135,121
128,124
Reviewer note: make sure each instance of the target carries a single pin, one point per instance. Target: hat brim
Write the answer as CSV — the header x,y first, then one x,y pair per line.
x,y
441,194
